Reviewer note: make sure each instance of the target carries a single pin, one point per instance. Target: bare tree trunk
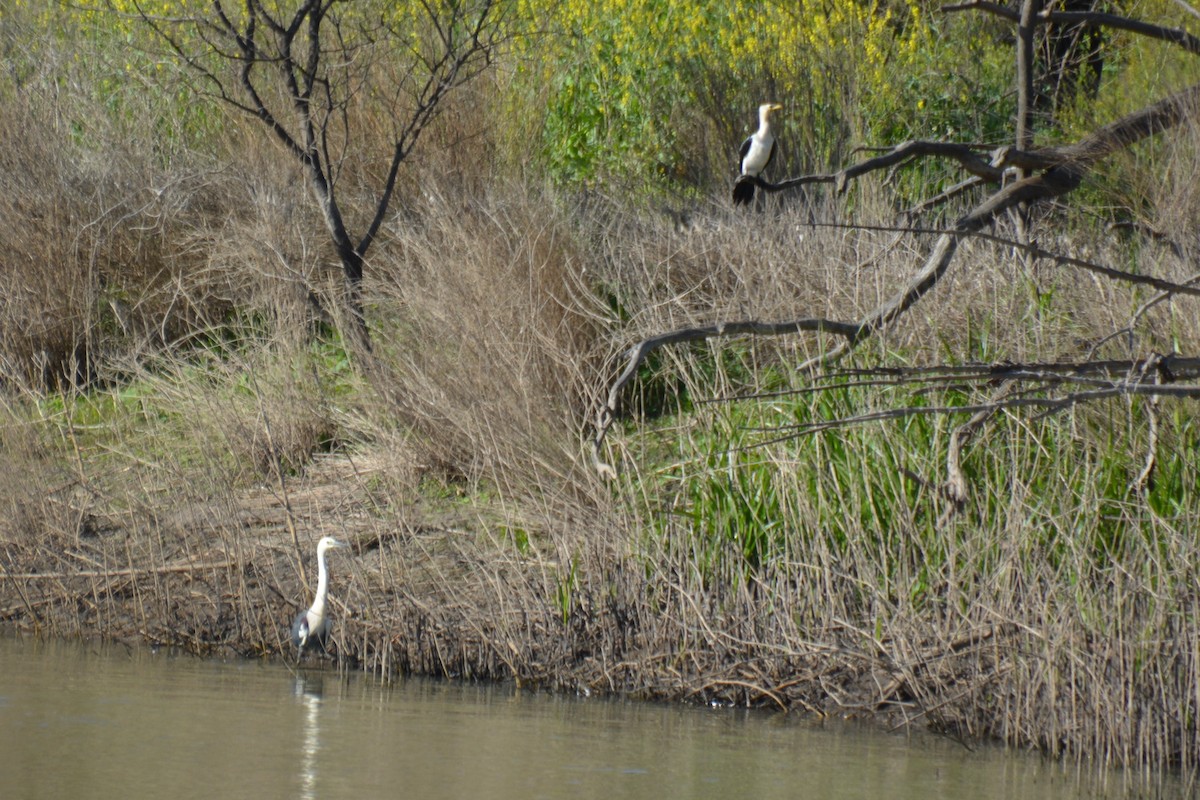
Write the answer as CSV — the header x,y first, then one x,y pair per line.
x,y
1025,70
349,255
1026,101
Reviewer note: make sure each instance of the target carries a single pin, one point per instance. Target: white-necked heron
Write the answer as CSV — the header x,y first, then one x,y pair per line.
x,y
312,626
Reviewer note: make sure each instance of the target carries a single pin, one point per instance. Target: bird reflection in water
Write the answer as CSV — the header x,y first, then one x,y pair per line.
x,y
309,690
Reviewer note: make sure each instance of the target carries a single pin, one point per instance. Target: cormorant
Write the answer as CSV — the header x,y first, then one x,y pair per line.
x,y
755,154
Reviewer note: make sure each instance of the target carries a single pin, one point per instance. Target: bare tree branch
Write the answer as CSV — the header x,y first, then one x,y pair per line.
x,y
638,353
1156,376
1069,160
1168,288
967,155
1094,18
1049,404
1171,368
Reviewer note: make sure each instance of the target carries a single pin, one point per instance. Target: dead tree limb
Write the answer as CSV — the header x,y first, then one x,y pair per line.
x,y
1096,19
1171,368
1071,160
1166,287
965,154
1025,400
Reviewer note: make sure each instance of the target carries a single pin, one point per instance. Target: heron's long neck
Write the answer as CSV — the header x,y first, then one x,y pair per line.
x,y
322,585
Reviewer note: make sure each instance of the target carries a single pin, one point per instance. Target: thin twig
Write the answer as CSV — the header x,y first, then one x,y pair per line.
x,y
131,572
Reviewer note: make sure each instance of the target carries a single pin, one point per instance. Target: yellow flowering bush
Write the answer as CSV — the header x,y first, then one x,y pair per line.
x,y
621,72
663,90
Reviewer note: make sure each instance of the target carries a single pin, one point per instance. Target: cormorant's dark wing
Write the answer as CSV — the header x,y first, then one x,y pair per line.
x,y
745,148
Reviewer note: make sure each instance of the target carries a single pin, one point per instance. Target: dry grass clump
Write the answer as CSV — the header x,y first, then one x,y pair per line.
x,y
57,252
490,333
93,224
32,480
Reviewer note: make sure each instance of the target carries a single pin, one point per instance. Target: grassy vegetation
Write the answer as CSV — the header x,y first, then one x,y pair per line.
x,y
172,396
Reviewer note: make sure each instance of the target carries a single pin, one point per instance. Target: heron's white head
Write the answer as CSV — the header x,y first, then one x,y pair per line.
x,y
328,542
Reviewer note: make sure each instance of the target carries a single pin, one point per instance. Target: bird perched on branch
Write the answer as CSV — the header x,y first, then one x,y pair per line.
x,y
312,626
755,154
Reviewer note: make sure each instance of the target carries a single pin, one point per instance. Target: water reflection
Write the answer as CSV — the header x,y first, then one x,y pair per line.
x,y
309,688
105,723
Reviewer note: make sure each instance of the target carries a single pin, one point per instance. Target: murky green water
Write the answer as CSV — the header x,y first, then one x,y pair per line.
x,y
83,722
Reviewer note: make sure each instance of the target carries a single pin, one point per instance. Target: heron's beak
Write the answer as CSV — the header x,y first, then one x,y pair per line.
x,y
338,543
776,107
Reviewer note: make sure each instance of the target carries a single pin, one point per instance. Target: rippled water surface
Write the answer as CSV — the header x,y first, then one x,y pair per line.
x,y
80,721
